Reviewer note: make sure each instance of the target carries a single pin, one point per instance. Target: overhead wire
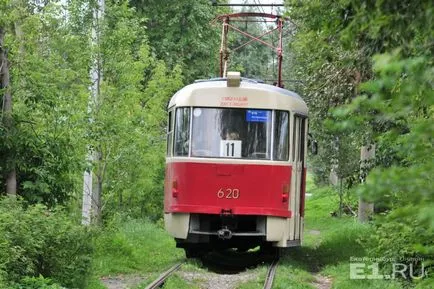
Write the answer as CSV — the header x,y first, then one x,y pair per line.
x,y
262,10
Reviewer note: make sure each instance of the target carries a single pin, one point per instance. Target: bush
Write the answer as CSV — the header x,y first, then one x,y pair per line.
x,y
37,242
404,239
37,283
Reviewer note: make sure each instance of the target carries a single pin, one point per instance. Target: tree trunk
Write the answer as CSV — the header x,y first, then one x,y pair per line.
x,y
87,198
11,178
97,212
367,155
96,79
365,210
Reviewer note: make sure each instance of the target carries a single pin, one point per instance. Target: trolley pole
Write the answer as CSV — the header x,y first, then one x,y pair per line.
x,y
224,48
250,17
280,53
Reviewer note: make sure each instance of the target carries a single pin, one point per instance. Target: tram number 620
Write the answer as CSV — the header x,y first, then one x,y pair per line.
x,y
228,193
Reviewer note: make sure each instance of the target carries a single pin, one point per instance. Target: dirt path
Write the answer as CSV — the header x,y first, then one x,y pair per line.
x,y
209,280
205,280
322,282
122,281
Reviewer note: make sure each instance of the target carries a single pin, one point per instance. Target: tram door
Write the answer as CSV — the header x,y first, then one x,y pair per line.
x,y
298,159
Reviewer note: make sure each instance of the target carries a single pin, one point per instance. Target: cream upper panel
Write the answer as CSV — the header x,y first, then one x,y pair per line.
x,y
248,95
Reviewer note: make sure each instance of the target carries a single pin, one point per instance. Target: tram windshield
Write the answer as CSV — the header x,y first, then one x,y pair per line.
x,y
232,133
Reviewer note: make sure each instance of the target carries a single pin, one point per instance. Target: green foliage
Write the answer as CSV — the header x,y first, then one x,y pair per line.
x,y
35,241
403,92
328,245
180,34
127,131
37,283
48,107
394,110
330,75
50,62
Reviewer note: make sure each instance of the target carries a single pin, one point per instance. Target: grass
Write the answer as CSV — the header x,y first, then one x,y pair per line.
x,y
329,243
136,246
133,247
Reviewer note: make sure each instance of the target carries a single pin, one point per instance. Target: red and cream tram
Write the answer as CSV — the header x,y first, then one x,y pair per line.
x,y
235,166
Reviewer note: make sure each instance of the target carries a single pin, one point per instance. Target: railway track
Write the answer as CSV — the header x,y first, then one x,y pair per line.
x,y
159,282
269,278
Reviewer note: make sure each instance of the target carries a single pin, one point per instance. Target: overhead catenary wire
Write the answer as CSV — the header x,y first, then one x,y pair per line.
x,y
262,10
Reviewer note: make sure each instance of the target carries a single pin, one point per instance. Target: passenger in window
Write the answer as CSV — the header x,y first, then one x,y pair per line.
x,y
232,136
185,142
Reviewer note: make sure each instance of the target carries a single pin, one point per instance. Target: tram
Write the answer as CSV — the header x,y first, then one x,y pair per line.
x,y
235,165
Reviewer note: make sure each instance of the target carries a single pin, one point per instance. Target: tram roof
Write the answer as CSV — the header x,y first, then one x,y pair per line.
x,y
215,93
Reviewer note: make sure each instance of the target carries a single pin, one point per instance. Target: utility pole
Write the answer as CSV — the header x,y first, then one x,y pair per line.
x,y
7,119
92,198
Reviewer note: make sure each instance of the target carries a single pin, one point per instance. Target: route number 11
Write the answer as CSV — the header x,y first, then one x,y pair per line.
x,y
230,148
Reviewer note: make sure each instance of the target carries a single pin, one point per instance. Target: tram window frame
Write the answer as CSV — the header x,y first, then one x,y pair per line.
x,y
299,132
169,136
294,135
301,151
276,142
183,150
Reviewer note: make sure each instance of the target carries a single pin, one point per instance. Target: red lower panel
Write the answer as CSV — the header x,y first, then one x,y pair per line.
x,y
217,188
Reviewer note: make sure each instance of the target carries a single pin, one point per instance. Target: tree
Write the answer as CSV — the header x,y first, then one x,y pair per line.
x,y
180,33
46,116
7,123
7,120
384,99
329,74
128,118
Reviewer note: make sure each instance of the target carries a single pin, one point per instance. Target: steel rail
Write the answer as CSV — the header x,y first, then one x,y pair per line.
x,y
268,284
160,280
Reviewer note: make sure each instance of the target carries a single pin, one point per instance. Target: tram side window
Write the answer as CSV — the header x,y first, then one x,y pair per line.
x,y
169,133
302,138
182,131
281,136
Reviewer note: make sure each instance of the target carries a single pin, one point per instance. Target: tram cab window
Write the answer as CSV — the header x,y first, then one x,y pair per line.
x,y
169,133
281,136
182,131
231,133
